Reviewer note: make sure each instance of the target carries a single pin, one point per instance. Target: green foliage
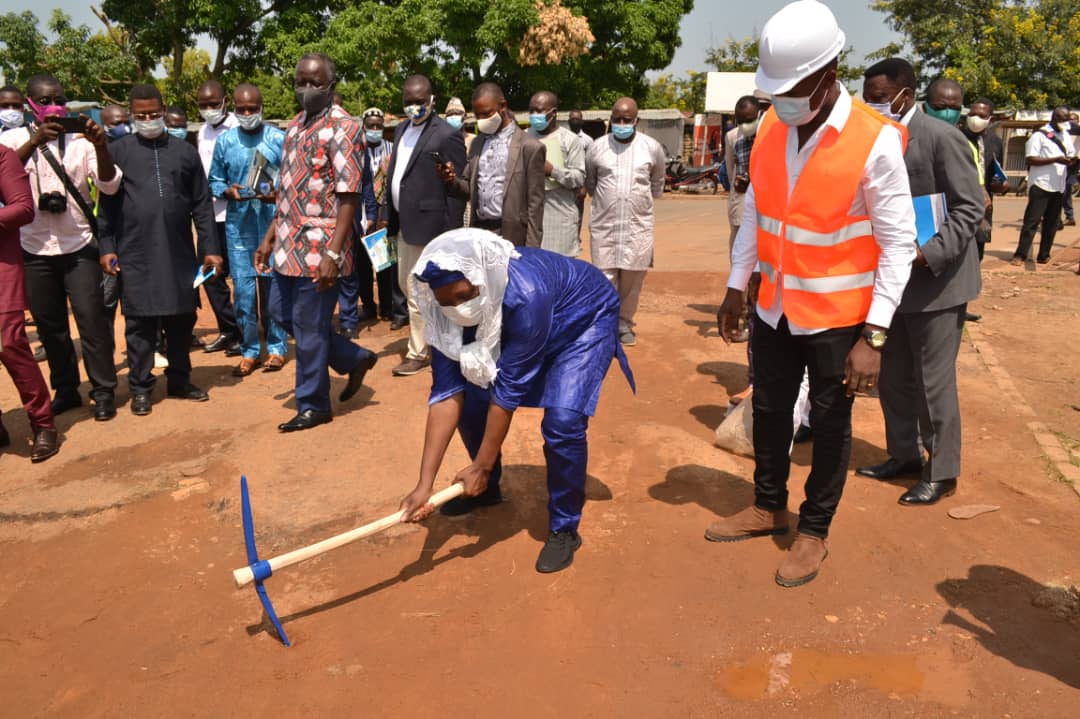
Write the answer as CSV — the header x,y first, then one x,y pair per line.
x,y
1017,53
686,94
90,66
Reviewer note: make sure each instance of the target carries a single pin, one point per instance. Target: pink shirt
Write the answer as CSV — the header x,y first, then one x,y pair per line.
x,y
68,231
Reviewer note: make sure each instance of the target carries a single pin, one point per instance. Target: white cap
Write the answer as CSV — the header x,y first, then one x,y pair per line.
x,y
795,43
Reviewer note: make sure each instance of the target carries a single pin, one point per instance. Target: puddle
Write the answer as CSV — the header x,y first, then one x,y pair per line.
x,y
931,677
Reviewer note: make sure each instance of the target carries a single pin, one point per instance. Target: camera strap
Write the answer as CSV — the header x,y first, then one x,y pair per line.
x,y
73,191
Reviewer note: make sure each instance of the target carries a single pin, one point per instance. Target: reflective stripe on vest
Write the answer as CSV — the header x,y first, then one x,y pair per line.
x,y
826,256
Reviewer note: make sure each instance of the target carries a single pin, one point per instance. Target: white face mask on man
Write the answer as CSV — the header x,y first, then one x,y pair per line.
x,y
466,314
489,125
796,111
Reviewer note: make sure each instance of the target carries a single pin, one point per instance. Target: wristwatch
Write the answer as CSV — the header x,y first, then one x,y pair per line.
x,y
875,338
335,256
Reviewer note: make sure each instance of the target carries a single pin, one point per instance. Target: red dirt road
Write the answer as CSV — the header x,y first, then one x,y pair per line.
x,y
116,596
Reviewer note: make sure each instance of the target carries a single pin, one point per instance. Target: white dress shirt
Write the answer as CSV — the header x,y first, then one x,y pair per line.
x,y
404,150
68,231
1049,178
207,138
884,196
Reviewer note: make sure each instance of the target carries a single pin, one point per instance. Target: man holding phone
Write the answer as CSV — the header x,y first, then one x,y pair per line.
x,y
62,156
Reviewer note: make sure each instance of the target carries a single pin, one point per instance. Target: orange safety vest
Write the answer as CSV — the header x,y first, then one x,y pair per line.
x,y
825,257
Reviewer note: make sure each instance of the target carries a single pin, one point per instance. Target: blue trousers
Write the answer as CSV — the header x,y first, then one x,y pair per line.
x,y
305,313
246,295
566,450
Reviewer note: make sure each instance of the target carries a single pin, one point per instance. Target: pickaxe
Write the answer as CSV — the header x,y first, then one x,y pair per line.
x,y
260,569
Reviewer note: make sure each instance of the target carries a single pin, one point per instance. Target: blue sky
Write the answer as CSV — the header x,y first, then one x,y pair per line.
x,y
711,23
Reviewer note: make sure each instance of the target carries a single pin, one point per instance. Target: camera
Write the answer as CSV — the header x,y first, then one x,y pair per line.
x,y
54,202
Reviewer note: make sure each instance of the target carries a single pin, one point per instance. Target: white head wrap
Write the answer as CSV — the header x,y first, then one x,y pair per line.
x,y
483,257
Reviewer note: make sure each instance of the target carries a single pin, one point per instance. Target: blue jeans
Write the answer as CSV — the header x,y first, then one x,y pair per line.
x,y
306,314
246,291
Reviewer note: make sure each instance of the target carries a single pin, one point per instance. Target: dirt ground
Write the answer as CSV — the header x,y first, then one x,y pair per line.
x,y
116,595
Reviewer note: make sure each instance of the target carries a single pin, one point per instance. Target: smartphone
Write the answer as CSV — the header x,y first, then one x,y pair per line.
x,y
437,158
70,124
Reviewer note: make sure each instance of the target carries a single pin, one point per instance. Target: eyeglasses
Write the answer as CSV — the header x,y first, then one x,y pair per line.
x,y
156,115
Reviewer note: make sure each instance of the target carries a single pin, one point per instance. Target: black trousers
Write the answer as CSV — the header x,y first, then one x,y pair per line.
x,y
779,358
1042,208
391,305
142,334
218,292
51,282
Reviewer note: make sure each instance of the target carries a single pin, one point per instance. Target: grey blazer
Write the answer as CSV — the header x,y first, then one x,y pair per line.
x,y
939,159
523,194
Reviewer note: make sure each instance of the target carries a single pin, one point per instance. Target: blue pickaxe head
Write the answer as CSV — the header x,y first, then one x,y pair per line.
x,y
259,568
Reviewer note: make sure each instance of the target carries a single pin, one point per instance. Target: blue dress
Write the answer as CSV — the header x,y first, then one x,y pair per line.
x,y
560,327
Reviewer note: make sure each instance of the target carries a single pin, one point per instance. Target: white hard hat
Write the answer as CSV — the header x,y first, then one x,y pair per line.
x,y
795,43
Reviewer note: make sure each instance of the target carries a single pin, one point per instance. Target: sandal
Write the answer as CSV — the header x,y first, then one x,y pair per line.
x,y
246,367
274,363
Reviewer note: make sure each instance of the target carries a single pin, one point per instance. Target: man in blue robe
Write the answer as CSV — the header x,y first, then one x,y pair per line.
x,y
513,327
250,211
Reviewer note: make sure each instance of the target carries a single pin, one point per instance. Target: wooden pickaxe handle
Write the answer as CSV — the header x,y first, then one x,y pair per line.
x,y
245,575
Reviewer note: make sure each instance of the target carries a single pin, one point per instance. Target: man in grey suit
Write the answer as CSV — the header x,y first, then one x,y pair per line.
x,y
918,364
504,175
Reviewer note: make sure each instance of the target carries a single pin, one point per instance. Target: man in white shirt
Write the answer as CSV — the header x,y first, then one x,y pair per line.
x,y
1048,161
216,121
60,246
833,269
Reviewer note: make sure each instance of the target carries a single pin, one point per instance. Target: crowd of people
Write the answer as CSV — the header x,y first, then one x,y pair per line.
x,y
862,288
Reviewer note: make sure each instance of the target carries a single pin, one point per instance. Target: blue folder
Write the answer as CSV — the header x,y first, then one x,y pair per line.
x,y
930,213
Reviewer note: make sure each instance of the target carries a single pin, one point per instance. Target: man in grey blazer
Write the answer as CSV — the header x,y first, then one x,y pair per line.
x,y
504,175
918,365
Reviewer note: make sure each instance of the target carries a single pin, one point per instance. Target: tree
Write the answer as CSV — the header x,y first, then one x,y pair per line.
x,y
90,66
1016,52
686,94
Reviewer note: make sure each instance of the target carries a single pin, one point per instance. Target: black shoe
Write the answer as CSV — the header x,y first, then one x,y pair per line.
x,y
356,377
558,551
306,420
890,469
5,438
188,392
349,334
223,342
972,317
104,409
369,315
803,434
928,492
463,505
395,325
1043,260
63,402
39,355
141,404
234,350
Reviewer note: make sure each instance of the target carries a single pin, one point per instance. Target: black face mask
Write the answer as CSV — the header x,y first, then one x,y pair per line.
x,y
576,125
314,100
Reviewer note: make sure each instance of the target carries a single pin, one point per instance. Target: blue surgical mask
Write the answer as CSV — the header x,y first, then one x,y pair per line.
x,y
623,132
948,114
11,118
374,137
455,121
119,130
539,121
180,133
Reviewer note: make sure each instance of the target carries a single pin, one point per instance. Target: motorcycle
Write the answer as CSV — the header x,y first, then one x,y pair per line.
x,y
677,175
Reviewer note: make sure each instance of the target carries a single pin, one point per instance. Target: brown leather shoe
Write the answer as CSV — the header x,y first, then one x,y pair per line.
x,y
274,363
410,367
247,366
46,444
751,522
802,562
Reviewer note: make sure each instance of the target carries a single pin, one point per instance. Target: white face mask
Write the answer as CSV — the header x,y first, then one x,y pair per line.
x,y
748,129
467,314
250,122
11,118
489,125
885,108
796,111
150,129
214,115
977,124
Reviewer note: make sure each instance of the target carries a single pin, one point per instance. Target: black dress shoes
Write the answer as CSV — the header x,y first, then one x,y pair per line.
x,y
189,392
141,405
803,434
890,470
104,409
558,551
356,377
63,402
397,324
463,505
234,350
222,342
928,492
46,444
306,420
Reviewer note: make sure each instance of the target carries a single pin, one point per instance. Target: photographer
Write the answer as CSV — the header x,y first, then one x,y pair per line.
x,y
60,249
